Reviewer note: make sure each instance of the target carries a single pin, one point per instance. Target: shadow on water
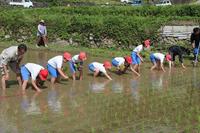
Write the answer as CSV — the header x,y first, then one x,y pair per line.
x,y
11,83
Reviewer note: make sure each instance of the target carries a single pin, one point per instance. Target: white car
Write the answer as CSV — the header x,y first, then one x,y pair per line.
x,y
126,1
24,3
164,3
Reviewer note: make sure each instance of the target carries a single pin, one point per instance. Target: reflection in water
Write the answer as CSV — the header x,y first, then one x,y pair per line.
x,y
98,86
54,101
72,95
195,79
117,86
156,80
135,89
30,107
7,124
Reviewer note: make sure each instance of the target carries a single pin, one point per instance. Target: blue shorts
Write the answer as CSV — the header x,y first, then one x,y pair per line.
x,y
72,67
153,58
195,51
115,63
91,67
25,73
135,58
52,71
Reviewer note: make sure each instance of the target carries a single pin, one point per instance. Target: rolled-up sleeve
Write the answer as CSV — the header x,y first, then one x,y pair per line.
x,y
5,60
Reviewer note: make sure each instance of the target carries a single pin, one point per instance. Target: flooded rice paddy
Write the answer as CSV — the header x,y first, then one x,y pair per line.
x,y
156,102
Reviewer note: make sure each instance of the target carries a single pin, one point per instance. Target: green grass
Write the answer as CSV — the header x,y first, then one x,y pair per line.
x,y
123,26
95,52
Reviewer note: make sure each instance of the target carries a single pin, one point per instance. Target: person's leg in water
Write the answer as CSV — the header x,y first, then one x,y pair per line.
x,y
72,70
53,72
3,82
195,52
153,60
19,79
4,78
158,64
44,38
38,41
138,64
134,65
15,68
173,58
181,60
133,69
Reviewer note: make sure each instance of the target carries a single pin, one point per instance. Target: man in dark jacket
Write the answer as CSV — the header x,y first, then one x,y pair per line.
x,y
178,51
195,38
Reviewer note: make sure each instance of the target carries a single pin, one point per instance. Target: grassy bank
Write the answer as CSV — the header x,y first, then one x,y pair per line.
x,y
105,27
95,52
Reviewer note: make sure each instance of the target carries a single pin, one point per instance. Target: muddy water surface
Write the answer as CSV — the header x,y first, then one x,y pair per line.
x,y
156,102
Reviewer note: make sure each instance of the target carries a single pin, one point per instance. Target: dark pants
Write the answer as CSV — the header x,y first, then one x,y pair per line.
x,y
40,41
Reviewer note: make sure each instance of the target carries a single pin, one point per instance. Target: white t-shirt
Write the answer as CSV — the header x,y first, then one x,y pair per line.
x,y
99,66
56,62
34,69
42,30
120,60
9,54
75,59
159,56
138,49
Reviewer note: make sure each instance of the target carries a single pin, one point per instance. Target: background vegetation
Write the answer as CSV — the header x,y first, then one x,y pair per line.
x,y
115,26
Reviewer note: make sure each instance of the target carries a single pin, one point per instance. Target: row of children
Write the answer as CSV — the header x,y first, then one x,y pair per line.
x,y
13,55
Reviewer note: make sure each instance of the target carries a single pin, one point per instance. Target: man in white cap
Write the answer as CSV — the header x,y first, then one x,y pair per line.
x,y
42,34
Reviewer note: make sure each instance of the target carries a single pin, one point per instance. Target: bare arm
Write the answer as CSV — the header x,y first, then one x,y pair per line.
x,y
80,72
183,66
162,67
170,64
62,73
18,63
154,66
138,54
35,86
133,70
193,44
108,76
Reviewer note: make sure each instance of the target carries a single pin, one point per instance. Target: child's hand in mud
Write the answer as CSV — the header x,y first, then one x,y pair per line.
x,y
66,77
80,68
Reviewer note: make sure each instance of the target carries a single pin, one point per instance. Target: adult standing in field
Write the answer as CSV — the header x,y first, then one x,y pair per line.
x,y
195,38
11,57
41,34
